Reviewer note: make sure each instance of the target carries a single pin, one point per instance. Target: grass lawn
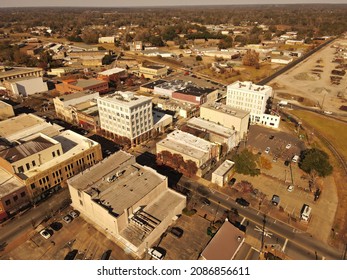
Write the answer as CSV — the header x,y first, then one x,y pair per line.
x,y
334,131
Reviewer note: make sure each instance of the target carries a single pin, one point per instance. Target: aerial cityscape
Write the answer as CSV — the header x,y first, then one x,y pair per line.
x,y
197,132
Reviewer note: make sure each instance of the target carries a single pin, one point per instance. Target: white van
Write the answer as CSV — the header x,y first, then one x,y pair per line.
x,y
305,212
295,158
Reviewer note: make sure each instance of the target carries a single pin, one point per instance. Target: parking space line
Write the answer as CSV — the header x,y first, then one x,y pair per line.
x,y
244,218
284,245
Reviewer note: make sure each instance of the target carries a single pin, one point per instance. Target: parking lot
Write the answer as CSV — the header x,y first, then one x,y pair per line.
x,y
78,236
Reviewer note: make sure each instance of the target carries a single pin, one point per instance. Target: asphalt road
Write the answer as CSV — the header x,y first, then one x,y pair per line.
x,y
34,216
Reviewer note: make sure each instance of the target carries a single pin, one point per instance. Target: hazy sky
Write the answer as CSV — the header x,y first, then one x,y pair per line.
x,y
122,3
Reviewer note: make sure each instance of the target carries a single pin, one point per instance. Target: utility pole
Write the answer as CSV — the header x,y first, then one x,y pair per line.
x,y
262,234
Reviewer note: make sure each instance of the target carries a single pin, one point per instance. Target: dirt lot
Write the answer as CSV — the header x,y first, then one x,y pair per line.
x,y
311,80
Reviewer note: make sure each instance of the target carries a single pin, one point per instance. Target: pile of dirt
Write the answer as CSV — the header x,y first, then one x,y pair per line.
x,y
307,76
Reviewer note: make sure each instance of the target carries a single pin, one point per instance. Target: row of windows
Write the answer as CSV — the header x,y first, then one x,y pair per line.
x,y
15,198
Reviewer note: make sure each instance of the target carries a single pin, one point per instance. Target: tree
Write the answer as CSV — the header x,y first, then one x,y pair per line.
x,y
315,161
245,163
198,58
251,58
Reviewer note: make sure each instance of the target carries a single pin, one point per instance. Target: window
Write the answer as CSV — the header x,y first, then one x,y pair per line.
x,y
53,154
33,163
7,202
32,186
28,166
81,202
58,152
20,169
15,198
22,194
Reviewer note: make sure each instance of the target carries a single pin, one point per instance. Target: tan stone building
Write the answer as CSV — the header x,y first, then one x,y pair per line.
x,y
130,202
229,117
190,147
42,157
9,73
6,111
13,194
153,71
67,106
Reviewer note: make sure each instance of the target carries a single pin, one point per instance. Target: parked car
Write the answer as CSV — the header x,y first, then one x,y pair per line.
x,y
177,231
232,181
275,158
271,137
74,214
275,200
106,255
67,219
157,253
56,226
243,202
205,201
288,146
295,158
71,255
45,233
286,163
267,150
290,188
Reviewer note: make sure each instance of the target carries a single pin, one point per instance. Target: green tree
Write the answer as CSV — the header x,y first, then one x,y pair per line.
x,y
315,161
198,58
245,163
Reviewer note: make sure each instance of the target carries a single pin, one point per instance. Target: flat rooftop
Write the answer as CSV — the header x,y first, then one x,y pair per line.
x,y
210,127
112,71
187,144
87,83
224,168
173,85
4,104
131,183
151,85
26,124
75,95
249,86
127,98
195,90
222,108
8,183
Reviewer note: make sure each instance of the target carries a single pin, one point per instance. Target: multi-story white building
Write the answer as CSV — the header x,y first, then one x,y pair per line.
x,y
252,98
126,114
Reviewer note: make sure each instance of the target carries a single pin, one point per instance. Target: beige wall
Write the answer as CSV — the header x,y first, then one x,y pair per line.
x,y
152,73
227,120
6,111
15,200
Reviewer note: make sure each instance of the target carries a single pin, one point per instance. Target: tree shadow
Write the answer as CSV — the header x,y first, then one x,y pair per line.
x,y
3,246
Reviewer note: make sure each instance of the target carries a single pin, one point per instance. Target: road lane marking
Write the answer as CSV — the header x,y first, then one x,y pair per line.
x,y
244,218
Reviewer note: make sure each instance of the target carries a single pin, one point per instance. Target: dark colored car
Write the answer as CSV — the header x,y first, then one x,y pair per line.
x,y
287,162
205,201
275,200
56,226
106,255
242,201
71,255
176,231
232,181
271,137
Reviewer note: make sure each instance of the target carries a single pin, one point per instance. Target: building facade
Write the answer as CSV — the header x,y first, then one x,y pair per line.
x,y
26,86
226,116
6,111
126,114
252,98
43,163
9,73
153,71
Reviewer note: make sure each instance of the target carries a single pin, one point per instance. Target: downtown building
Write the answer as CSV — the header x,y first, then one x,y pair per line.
x,y
128,202
40,157
126,115
254,99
